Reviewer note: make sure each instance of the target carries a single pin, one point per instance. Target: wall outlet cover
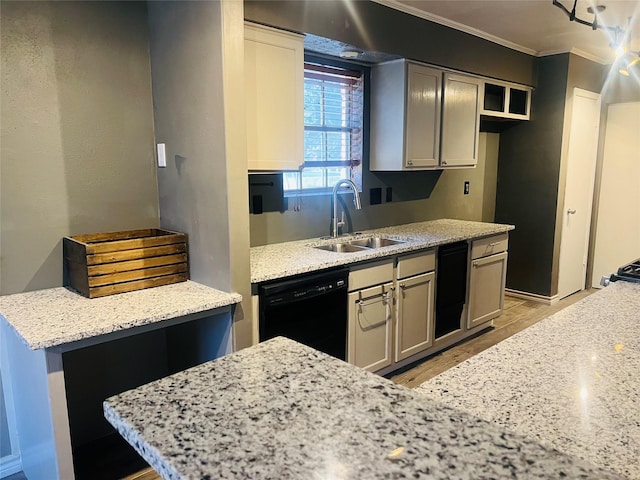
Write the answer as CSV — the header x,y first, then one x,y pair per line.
x,y
375,196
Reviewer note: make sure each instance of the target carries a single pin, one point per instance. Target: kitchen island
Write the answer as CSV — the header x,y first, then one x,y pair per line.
x,y
570,382
283,410
65,351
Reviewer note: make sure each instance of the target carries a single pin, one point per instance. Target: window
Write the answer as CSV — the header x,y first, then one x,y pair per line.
x,y
333,128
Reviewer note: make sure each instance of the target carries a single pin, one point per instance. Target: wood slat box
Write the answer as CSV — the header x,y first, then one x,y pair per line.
x,y
108,263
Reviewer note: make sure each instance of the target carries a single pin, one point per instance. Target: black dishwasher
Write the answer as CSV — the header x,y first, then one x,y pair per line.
x,y
311,309
451,287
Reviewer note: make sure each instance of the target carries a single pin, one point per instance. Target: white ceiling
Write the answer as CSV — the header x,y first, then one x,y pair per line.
x,y
536,27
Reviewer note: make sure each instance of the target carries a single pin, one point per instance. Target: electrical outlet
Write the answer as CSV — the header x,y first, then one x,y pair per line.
x,y
466,187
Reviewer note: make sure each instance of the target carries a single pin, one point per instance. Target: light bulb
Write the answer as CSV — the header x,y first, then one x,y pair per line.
x,y
620,51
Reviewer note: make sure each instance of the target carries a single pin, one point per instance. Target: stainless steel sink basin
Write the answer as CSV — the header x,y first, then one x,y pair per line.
x,y
359,245
342,247
375,242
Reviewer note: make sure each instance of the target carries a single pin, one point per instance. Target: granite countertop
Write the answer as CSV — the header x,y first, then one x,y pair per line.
x,y
283,410
56,316
269,262
571,381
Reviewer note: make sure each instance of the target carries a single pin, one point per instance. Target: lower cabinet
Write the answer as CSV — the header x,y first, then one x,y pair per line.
x,y
391,311
414,331
392,303
370,321
487,277
415,286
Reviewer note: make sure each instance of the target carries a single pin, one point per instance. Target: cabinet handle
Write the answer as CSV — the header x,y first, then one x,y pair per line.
x,y
382,298
475,264
402,285
444,162
493,244
571,211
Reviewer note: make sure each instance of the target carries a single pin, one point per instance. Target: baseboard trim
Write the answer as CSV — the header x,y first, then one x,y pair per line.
x,y
9,465
534,297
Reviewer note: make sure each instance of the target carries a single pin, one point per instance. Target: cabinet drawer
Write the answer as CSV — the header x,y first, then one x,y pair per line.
x,y
363,276
489,246
417,263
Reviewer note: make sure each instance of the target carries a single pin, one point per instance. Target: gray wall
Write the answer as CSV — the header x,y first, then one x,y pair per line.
x,y
197,69
371,26
418,196
529,173
77,131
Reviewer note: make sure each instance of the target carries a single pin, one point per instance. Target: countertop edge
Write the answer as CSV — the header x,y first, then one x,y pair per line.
x,y
219,300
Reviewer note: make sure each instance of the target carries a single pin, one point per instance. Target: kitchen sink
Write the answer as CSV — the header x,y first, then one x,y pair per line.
x,y
375,242
359,245
342,247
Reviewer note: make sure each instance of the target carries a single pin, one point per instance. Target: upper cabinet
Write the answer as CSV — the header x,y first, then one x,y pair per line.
x,y
506,100
422,118
274,97
460,120
405,116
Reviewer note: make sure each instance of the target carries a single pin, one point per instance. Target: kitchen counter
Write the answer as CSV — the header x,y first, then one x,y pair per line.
x,y
56,316
570,382
283,410
269,262
49,334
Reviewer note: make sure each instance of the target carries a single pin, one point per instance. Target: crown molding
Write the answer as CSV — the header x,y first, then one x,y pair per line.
x,y
416,12
484,35
578,52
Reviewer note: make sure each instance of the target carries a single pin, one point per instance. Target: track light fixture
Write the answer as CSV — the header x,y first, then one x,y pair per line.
x,y
594,10
621,43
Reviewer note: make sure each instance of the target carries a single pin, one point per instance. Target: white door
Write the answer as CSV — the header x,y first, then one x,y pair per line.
x,y
578,198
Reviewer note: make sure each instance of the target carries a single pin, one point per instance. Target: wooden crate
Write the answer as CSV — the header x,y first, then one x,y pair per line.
x,y
103,264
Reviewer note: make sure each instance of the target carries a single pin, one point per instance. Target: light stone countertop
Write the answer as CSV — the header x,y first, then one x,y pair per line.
x,y
571,382
56,316
279,260
283,410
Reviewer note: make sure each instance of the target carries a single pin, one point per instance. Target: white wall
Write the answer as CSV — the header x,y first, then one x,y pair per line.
x,y
617,239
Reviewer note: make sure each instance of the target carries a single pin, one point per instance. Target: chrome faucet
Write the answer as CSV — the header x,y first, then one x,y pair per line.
x,y
335,224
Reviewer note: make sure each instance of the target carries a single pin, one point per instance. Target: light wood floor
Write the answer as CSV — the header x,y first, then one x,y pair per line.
x,y
518,314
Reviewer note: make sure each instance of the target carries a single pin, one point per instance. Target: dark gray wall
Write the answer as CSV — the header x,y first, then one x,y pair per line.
x,y
371,26
527,190
529,173
77,131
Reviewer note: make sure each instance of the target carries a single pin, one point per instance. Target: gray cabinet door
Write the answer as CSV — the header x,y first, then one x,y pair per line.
x,y
486,288
422,127
460,120
415,315
370,319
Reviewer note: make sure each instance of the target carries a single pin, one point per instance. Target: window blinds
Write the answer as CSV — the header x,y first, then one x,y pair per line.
x,y
333,113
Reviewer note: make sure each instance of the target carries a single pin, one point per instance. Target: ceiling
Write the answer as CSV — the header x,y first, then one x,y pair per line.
x,y
535,27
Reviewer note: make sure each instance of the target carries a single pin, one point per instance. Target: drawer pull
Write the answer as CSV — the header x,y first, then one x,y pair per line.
x,y
382,298
493,244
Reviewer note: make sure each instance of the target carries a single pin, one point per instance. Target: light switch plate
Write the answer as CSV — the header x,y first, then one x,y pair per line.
x,y
162,155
